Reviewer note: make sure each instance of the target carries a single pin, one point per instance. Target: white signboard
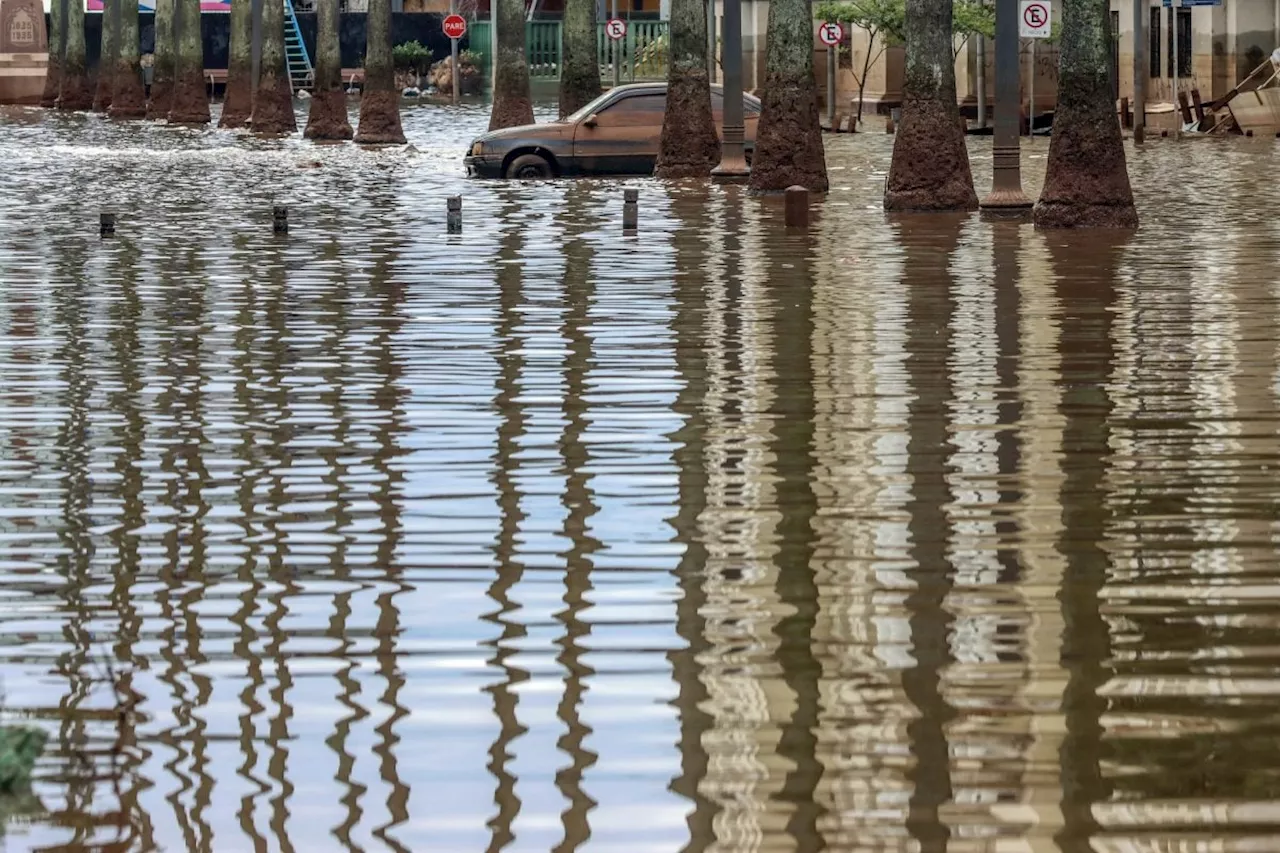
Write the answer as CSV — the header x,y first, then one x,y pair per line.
x,y
1033,19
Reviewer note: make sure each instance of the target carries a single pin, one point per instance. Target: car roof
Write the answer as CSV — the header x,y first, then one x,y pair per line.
x,y
660,86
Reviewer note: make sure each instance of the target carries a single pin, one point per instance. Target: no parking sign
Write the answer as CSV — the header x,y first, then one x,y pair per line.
x,y
1033,19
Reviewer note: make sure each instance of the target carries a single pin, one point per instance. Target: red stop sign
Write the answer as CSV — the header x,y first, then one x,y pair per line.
x,y
455,26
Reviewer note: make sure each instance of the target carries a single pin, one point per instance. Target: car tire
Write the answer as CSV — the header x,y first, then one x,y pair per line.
x,y
530,167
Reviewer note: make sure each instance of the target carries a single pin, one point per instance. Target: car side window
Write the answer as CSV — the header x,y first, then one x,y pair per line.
x,y
634,111
749,108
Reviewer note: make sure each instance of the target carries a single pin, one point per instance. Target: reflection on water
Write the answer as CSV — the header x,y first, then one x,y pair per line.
x,y
924,534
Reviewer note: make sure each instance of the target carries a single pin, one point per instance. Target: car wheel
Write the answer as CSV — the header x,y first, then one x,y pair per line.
x,y
529,167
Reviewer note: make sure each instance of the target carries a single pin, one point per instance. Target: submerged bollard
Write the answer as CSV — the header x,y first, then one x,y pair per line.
x,y
455,214
280,219
797,207
630,209
106,225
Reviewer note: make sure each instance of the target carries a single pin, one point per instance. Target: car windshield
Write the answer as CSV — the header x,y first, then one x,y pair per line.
x,y
590,108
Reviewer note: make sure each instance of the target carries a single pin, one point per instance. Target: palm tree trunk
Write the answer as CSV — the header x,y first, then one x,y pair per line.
x,y
273,102
579,65
1086,179
57,52
190,99
107,58
75,92
788,148
163,65
380,101
328,116
237,105
930,168
512,104
689,147
129,100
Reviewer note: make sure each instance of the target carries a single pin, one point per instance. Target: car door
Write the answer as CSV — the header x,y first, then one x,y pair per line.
x,y
622,138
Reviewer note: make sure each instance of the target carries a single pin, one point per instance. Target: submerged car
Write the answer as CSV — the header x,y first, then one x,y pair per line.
x,y
616,134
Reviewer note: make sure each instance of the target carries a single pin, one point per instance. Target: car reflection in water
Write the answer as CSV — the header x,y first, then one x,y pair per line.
x,y
616,134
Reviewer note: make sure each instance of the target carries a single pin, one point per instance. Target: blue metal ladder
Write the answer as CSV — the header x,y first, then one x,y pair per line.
x,y
295,51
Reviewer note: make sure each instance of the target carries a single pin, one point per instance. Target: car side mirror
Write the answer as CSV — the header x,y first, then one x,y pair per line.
x,y
590,121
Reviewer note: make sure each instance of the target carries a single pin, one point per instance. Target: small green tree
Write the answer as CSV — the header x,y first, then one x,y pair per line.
x,y
971,18
411,56
884,21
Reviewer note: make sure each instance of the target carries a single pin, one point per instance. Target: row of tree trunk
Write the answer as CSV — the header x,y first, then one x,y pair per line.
x,y
788,150
1086,177
1086,182
178,92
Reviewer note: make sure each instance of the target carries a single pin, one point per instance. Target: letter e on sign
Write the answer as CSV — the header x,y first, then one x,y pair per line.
x,y
1033,19
830,33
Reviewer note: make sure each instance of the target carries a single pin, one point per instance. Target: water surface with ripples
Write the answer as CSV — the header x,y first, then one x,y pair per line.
x,y
914,534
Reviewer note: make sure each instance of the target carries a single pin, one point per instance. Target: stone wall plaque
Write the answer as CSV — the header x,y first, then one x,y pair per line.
x,y
22,27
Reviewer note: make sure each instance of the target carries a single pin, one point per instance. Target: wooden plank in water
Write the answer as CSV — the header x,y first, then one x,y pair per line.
x,y
1184,108
1195,102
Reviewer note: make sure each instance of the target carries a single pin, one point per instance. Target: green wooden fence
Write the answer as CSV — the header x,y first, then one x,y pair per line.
x,y
642,55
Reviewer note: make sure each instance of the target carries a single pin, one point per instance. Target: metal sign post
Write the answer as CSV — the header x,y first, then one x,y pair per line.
x,y
1033,23
831,34
453,57
617,68
982,80
1177,116
1139,48
831,86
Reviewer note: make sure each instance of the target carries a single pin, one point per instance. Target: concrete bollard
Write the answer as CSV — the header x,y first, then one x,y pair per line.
x,y
888,126
630,209
280,219
106,225
797,207
455,214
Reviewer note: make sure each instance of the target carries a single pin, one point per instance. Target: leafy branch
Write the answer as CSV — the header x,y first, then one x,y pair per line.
x,y
885,23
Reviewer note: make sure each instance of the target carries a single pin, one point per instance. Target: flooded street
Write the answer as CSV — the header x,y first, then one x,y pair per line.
x,y
926,534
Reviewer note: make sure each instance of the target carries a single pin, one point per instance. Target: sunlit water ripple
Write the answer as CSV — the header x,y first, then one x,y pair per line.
x,y
891,535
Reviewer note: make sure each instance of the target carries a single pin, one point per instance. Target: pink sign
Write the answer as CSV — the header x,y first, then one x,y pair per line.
x,y
145,6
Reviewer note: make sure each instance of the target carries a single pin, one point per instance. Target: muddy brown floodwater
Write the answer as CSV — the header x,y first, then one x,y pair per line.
x,y
894,535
